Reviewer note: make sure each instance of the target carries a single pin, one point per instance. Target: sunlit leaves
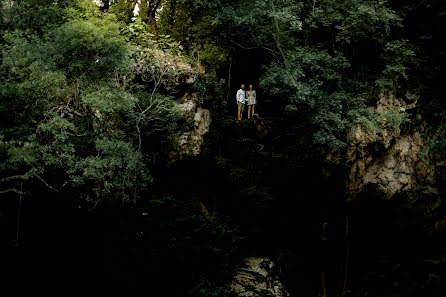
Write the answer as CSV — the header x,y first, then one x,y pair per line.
x,y
92,48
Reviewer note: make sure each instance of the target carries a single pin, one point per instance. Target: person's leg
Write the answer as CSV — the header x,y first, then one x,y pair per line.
x,y
253,108
249,112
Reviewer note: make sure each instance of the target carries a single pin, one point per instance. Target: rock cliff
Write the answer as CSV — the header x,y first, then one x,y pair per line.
x,y
189,143
390,157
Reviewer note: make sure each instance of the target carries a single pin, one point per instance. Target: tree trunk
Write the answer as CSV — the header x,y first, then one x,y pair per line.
x,y
153,25
151,14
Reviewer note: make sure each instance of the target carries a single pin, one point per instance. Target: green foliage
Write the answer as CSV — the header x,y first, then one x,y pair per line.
x,y
138,32
234,173
393,118
374,122
211,55
169,44
70,103
82,10
319,53
355,20
398,56
122,9
107,100
91,48
308,83
31,16
47,151
437,141
116,172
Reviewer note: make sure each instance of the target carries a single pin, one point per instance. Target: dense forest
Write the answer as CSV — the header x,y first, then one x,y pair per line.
x,y
124,168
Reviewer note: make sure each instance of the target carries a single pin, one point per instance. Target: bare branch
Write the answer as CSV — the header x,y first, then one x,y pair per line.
x,y
13,191
45,183
23,178
14,178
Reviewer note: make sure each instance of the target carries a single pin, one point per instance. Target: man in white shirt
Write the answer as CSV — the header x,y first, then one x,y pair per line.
x,y
241,99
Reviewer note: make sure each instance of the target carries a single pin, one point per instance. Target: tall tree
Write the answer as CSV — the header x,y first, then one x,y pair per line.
x,y
153,6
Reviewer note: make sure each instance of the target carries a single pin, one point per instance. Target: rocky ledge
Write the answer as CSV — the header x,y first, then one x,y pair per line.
x,y
257,277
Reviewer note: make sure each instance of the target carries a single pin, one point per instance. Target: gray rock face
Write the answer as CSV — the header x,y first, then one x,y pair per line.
x,y
257,277
387,157
189,143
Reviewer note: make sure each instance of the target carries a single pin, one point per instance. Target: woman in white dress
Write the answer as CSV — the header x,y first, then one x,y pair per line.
x,y
251,98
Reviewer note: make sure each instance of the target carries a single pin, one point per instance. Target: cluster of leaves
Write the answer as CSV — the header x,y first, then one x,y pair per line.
x,y
375,122
194,25
437,141
138,32
70,102
435,111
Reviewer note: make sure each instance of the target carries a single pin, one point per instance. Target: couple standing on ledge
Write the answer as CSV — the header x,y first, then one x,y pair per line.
x,y
246,97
